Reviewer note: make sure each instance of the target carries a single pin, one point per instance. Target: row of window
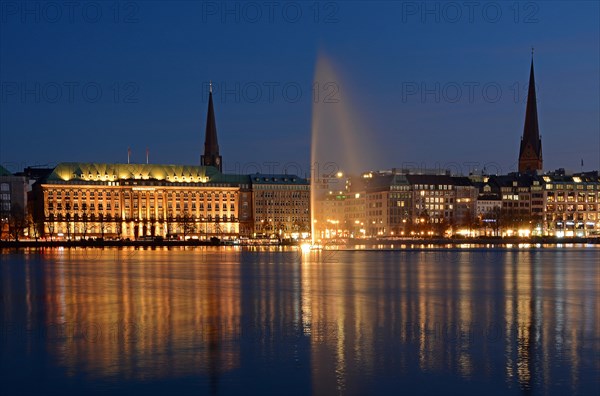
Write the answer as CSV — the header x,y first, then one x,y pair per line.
x,y
84,206
259,203
108,228
276,210
282,194
571,187
400,188
128,217
100,205
433,187
515,204
571,197
114,193
186,206
127,210
280,187
436,193
571,208
127,199
435,207
400,195
282,223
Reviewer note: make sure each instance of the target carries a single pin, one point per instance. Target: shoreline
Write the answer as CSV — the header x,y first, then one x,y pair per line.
x,y
482,242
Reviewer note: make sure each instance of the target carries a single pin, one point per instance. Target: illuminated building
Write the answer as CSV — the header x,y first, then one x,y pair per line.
x,y
400,203
13,202
374,204
355,214
330,215
571,204
555,204
396,202
132,201
488,203
281,205
141,200
442,199
387,204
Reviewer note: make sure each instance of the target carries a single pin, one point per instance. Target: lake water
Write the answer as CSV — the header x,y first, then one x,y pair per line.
x,y
234,320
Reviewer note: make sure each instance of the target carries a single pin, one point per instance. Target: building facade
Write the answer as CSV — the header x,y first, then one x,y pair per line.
x,y
13,204
571,204
133,201
140,200
388,204
281,205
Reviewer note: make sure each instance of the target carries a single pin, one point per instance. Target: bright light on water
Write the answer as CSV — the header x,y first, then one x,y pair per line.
x,y
228,321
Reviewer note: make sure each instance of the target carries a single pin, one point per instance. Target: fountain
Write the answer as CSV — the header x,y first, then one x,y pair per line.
x,y
339,144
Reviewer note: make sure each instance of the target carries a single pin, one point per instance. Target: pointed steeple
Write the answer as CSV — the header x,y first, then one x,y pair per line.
x,y
530,153
211,155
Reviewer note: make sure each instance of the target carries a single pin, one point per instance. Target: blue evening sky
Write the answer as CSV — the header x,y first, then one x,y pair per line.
x,y
433,83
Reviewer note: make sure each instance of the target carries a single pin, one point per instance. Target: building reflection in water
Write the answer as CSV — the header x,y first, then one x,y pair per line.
x,y
525,316
112,314
353,322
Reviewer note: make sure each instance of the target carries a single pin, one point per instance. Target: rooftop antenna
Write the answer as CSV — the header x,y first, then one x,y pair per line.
x,y
128,154
147,155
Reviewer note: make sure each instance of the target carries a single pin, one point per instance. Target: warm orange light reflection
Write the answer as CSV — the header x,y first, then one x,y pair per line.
x,y
350,316
121,314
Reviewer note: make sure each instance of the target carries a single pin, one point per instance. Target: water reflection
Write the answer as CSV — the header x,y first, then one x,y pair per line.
x,y
520,320
115,315
270,321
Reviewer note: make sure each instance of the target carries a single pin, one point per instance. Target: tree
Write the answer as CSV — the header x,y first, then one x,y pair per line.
x,y
470,221
87,220
423,223
35,220
102,223
50,225
441,227
119,228
84,220
68,221
4,215
268,227
169,222
31,227
217,228
494,218
280,228
187,223
16,221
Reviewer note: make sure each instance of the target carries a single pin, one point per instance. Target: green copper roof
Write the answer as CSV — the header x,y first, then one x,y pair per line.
x,y
103,172
4,172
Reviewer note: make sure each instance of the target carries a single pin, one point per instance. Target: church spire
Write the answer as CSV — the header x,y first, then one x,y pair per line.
x,y
530,153
211,155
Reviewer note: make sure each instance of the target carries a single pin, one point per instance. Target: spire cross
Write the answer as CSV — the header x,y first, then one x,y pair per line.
x,y
531,51
210,86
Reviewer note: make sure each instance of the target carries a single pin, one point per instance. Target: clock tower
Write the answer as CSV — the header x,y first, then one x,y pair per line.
x,y
211,155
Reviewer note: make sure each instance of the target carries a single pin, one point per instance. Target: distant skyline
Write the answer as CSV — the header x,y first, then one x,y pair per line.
x,y
435,83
